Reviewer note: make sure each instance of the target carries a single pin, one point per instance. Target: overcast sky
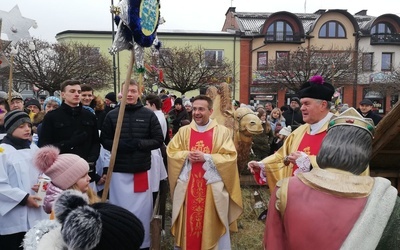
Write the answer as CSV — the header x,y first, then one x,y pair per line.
x,y
54,16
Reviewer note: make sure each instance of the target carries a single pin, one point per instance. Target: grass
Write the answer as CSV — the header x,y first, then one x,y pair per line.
x,y
251,230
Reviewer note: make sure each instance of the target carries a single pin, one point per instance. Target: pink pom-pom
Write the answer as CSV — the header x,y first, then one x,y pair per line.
x,y
317,79
45,157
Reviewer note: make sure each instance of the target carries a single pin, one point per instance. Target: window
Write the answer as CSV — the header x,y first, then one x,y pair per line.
x,y
367,61
213,58
386,62
332,29
282,59
262,60
279,31
381,28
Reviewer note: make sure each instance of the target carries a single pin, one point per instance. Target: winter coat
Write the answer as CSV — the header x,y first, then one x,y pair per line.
x,y
273,122
140,133
175,117
262,142
375,117
72,130
293,118
52,194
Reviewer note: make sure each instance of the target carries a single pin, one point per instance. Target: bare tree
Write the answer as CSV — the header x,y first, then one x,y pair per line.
x,y
46,65
188,68
292,69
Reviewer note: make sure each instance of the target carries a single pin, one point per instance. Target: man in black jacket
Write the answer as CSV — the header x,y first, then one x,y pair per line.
x,y
293,115
140,133
71,128
365,110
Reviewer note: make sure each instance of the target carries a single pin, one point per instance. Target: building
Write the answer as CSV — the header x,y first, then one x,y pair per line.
x,y
271,37
222,44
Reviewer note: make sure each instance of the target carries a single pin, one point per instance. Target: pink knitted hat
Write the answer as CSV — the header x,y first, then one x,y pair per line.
x,y
63,169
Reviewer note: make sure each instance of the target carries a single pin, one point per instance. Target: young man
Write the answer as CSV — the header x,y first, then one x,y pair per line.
x,y
204,182
72,128
140,134
87,95
158,171
365,110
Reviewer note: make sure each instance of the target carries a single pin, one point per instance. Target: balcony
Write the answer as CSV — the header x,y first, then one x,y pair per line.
x,y
281,37
385,39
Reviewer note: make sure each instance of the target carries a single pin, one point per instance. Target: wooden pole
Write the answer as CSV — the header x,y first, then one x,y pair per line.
x,y
118,127
10,83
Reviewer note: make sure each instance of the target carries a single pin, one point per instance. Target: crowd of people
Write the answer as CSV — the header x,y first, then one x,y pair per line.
x,y
165,139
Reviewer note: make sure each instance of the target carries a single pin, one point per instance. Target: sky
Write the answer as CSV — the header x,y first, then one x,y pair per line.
x,y
55,16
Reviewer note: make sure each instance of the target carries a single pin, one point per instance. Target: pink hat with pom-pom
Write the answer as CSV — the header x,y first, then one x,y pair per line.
x,y
317,88
64,169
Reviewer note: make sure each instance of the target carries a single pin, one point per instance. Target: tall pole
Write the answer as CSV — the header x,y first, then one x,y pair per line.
x,y
113,56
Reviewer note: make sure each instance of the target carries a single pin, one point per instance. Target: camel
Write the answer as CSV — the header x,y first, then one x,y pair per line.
x,y
243,122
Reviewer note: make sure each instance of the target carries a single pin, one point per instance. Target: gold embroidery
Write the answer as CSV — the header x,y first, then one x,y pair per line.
x,y
198,192
200,146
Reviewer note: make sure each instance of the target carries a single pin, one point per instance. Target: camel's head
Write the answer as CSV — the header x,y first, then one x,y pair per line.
x,y
247,121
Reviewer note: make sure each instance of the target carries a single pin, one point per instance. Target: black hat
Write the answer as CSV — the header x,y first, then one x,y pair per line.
x,y
178,101
98,226
14,119
33,102
295,99
112,97
366,102
317,88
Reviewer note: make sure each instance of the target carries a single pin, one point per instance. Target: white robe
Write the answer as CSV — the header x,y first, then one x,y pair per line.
x,y
17,177
140,204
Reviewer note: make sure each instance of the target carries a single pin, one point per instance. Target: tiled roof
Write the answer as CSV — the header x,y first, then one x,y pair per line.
x,y
251,22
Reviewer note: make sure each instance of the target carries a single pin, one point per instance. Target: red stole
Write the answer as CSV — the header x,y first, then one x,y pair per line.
x,y
310,144
197,189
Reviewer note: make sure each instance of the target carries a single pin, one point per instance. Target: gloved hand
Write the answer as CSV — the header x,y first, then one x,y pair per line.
x,y
128,145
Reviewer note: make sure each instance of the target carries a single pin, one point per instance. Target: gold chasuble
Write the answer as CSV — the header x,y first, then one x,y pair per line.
x,y
196,195
274,167
201,213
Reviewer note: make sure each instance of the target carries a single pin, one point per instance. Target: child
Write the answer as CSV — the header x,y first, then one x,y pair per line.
x,y
98,226
67,171
280,138
19,210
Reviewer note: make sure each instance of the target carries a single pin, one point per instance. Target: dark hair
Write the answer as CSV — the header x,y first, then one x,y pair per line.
x,y
154,99
86,87
69,83
205,98
5,104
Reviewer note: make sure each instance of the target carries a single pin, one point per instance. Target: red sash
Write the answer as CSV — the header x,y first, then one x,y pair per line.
x,y
140,182
310,144
197,190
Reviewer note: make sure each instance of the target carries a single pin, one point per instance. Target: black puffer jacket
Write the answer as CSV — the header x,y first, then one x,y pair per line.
x,y
140,133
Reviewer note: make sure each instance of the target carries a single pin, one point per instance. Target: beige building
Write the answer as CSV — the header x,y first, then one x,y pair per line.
x,y
222,44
